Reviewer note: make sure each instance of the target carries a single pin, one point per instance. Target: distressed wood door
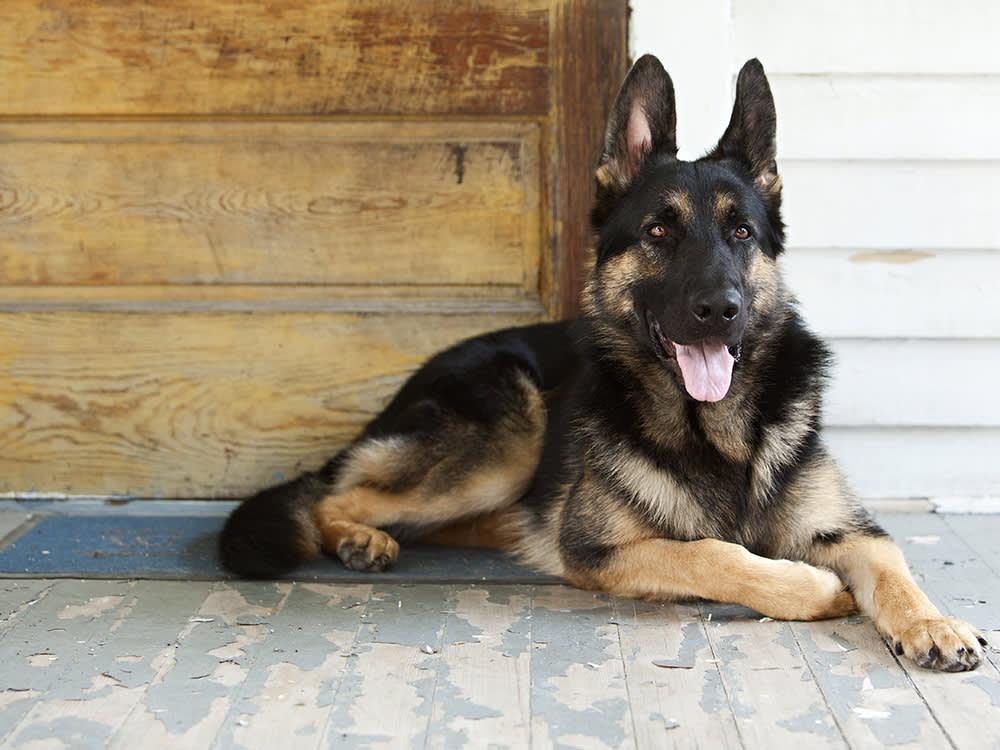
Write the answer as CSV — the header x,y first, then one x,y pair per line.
x,y
229,230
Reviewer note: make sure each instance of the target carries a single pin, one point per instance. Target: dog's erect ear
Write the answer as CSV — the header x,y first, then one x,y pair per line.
x,y
750,137
643,121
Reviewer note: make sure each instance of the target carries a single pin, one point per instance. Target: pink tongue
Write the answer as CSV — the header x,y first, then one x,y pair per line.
x,y
707,369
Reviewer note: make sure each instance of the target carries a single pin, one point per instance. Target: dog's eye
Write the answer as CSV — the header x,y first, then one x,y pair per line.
x,y
656,231
742,232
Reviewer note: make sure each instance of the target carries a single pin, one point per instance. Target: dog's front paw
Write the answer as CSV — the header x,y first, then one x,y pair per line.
x,y
800,591
942,643
832,598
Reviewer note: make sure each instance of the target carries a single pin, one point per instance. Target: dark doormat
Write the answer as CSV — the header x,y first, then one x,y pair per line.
x,y
183,547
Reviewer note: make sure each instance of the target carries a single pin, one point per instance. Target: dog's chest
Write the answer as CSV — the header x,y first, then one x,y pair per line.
x,y
691,501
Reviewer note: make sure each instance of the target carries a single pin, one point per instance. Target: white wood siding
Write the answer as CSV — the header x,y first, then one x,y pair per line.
x,y
889,147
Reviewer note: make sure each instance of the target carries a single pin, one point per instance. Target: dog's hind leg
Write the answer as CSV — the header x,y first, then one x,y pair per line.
x,y
451,460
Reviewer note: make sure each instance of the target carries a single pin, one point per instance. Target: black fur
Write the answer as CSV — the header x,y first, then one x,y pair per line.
x,y
612,393
263,536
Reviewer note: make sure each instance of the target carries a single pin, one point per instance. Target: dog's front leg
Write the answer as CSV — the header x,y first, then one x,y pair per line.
x,y
874,568
711,569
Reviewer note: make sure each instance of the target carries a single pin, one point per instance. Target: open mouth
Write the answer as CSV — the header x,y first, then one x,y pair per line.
x,y
705,368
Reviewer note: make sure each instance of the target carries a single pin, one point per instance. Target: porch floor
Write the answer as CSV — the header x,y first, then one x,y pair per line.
x,y
175,664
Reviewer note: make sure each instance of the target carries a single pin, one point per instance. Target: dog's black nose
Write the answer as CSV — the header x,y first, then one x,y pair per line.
x,y
718,307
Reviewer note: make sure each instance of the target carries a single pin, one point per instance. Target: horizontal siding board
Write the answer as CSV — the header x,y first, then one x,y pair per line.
x,y
253,203
198,404
372,57
855,36
862,293
887,117
896,382
887,114
919,462
892,204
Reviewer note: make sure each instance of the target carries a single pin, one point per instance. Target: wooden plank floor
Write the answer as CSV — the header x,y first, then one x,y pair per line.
x,y
168,664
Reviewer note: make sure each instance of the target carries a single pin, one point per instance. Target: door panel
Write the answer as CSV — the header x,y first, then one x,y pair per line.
x,y
199,404
307,57
252,203
228,231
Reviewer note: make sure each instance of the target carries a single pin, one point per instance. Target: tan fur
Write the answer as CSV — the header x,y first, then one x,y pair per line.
x,y
727,425
612,175
820,499
480,492
310,542
664,497
539,548
663,423
873,568
768,289
663,569
449,489
604,528
378,457
769,184
617,277
776,443
490,531
886,592
606,176
722,204
348,524
680,202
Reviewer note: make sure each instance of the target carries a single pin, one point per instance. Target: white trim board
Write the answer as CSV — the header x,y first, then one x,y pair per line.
x,y
966,505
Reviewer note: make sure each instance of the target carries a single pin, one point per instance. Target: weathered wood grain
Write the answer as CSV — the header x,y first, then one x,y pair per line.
x,y
674,682
198,404
339,168
770,688
280,203
963,585
287,694
482,695
249,664
589,61
186,702
385,299
95,694
869,694
48,650
372,57
579,693
17,597
955,576
402,635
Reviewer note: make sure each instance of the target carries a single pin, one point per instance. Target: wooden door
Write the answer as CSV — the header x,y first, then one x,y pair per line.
x,y
228,230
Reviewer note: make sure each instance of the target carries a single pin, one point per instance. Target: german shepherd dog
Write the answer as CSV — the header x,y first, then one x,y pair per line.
x,y
666,445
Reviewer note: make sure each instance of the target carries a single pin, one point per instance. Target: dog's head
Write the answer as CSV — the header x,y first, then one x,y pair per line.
x,y
685,250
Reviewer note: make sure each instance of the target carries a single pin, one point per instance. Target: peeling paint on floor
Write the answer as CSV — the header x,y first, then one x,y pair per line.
x,y
172,664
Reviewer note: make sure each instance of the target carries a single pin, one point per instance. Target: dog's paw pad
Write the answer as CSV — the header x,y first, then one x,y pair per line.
x,y
942,643
370,551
